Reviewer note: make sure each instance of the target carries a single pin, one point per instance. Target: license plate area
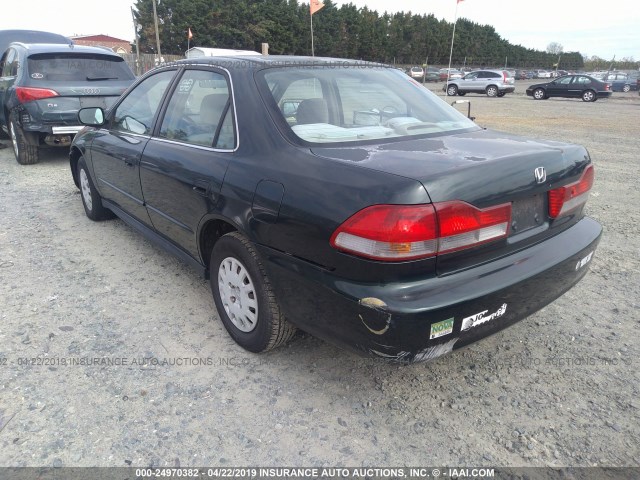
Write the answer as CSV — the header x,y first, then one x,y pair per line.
x,y
88,102
528,213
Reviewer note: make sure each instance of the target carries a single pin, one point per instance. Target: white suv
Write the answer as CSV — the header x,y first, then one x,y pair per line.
x,y
495,83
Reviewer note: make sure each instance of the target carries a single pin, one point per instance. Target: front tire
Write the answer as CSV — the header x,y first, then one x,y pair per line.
x,y
26,153
626,88
492,91
91,199
589,96
452,90
244,297
538,94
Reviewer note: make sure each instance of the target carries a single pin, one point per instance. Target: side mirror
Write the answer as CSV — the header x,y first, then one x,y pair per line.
x,y
94,116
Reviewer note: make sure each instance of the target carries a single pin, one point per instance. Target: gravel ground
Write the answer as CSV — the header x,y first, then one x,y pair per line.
x,y
560,388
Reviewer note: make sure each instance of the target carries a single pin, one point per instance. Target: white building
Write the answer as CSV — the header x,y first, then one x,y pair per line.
x,y
196,52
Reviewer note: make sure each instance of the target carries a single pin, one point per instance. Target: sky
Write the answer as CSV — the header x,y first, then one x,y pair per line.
x,y
592,28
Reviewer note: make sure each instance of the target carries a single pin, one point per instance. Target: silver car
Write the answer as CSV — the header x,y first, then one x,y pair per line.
x,y
494,83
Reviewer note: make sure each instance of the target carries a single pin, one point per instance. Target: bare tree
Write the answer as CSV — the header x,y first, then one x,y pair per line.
x,y
555,48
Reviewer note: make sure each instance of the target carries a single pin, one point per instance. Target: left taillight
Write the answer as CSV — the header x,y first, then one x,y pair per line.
x,y
566,199
410,232
29,94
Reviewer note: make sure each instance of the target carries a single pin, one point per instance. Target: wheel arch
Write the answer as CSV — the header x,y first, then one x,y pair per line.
x,y
74,158
211,230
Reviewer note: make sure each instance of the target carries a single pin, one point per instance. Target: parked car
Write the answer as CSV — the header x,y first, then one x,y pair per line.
x,y
571,86
43,86
450,74
416,72
432,74
371,214
494,83
621,82
29,36
542,74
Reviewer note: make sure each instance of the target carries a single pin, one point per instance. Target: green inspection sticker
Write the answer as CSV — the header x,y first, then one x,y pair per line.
x,y
445,327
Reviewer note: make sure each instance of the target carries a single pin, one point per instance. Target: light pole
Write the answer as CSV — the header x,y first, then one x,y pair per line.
x,y
155,21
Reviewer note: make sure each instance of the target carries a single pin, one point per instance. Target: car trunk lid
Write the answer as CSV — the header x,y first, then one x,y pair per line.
x,y
484,169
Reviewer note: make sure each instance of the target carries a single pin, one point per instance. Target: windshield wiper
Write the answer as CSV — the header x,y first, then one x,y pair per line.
x,y
101,78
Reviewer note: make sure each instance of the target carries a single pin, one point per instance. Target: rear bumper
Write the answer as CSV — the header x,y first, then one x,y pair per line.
x,y
423,319
66,130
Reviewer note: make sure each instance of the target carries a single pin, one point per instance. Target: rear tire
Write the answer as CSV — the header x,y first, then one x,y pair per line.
x,y
26,153
244,297
452,90
538,94
589,96
626,88
91,199
492,91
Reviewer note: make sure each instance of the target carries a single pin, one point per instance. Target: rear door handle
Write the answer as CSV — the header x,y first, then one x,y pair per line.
x,y
201,187
200,190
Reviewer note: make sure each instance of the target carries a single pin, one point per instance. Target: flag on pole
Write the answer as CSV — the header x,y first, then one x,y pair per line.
x,y
315,5
190,35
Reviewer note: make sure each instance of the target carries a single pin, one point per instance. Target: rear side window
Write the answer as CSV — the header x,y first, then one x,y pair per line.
x,y
582,80
200,112
63,67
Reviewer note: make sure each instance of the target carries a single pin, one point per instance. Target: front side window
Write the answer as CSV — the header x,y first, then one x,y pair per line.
x,y
9,64
200,112
351,104
565,81
136,112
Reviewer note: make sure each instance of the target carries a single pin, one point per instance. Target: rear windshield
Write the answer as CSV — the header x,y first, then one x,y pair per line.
x,y
62,67
352,104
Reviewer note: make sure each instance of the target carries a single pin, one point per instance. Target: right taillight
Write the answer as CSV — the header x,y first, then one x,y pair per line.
x,y
410,232
566,199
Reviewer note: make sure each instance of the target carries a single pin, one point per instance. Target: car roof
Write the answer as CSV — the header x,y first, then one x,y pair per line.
x,y
35,48
241,61
32,36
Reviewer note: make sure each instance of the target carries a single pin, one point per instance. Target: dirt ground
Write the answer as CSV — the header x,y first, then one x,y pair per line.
x,y
560,388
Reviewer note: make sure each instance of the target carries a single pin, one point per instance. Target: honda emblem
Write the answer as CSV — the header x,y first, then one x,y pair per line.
x,y
540,174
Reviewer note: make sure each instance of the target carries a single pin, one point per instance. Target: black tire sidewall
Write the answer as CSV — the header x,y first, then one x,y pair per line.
x,y
97,212
230,245
27,154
